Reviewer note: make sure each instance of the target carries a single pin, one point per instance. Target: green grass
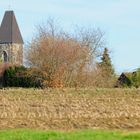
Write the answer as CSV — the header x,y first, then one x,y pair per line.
x,y
75,135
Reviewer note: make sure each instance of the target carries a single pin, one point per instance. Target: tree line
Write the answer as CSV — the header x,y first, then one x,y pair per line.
x,y
56,58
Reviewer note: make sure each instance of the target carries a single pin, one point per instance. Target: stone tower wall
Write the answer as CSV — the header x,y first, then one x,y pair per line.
x,y
14,53
17,54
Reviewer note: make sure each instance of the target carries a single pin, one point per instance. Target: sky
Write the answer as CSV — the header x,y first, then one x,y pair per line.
x,y
118,19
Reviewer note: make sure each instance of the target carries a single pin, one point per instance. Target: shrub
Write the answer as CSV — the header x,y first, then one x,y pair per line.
x,y
19,76
135,78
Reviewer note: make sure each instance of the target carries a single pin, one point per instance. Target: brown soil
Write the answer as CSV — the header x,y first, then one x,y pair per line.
x,y
67,109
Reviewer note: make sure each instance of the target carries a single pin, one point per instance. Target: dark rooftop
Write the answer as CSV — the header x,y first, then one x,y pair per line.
x,y
9,30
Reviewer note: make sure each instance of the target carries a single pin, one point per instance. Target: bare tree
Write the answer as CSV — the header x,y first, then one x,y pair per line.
x,y
67,59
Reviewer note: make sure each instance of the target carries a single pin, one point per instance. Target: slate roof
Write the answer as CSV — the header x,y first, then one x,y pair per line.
x,y
9,30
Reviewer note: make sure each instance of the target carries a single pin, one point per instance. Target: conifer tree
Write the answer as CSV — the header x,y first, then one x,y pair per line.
x,y
106,71
106,64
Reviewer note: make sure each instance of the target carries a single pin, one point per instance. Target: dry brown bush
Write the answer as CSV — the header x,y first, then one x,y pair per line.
x,y
67,59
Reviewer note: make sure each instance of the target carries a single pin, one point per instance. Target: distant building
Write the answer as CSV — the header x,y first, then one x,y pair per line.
x,y
11,42
124,80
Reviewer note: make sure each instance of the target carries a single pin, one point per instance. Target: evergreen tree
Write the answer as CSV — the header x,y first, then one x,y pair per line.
x,y
107,74
106,64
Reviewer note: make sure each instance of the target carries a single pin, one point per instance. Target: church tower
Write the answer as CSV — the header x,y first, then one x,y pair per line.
x,y
11,42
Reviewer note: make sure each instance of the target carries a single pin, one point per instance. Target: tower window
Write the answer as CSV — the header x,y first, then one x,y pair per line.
x,y
5,56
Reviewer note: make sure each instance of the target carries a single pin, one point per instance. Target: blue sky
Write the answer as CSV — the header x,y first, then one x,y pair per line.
x,y
119,19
